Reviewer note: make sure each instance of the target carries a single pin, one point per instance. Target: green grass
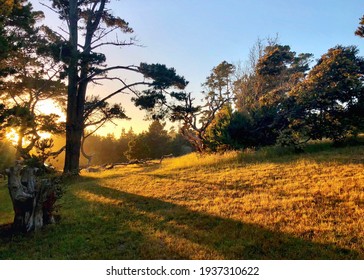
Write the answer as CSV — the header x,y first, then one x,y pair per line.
x,y
269,204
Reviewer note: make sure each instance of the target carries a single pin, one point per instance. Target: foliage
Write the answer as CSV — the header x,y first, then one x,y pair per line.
x,y
196,119
152,144
217,134
330,97
360,30
27,79
261,93
7,154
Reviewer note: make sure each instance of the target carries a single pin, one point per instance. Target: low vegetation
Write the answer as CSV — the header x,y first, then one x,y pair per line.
x,y
268,204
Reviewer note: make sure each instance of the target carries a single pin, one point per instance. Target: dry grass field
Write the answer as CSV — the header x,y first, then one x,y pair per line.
x,y
268,204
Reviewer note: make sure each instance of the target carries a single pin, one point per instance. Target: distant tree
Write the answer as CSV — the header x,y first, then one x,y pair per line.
x,y
180,145
262,92
217,134
153,143
139,148
123,143
329,101
360,30
158,139
197,119
6,7
96,118
194,118
92,21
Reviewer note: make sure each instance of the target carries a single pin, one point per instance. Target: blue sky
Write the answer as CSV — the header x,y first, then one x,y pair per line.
x,y
193,36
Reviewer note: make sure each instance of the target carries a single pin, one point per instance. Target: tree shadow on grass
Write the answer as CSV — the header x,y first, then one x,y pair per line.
x,y
155,229
104,223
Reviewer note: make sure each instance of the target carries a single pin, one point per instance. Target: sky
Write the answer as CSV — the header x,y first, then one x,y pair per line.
x,y
193,36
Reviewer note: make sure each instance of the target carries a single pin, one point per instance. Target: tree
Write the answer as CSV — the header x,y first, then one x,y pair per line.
x,y
273,71
248,85
6,7
91,21
153,143
26,79
217,134
262,91
138,148
360,30
330,100
196,119
123,143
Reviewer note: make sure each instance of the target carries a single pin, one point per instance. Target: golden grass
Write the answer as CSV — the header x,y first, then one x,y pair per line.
x,y
238,205
308,196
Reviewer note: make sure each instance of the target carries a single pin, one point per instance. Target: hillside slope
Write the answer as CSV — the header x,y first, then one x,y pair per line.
x,y
251,205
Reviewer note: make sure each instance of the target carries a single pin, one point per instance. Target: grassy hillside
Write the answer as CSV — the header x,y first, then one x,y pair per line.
x,y
264,205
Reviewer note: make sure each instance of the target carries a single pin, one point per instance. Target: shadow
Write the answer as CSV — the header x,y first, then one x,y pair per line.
x,y
155,229
113,224
6,231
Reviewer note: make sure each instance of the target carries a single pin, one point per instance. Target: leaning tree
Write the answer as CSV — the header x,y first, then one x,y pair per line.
x,y
89,25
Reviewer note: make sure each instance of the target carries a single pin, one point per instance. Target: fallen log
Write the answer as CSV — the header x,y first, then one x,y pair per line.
x,y
165,156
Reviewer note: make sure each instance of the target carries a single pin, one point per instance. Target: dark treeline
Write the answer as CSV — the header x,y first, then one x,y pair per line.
x,y
154,143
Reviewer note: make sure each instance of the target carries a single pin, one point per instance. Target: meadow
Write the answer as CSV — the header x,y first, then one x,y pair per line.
x,y
269,204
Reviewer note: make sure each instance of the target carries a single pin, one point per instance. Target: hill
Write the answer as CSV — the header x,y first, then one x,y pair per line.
x,y
240,205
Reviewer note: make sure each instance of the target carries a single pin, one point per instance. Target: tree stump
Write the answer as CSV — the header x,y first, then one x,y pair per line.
x,y
33,199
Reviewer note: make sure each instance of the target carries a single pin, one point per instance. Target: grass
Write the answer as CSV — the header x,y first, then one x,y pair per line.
x,y
269,204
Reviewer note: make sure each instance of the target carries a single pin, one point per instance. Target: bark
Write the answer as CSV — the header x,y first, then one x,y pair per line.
x,y
33,200
73,128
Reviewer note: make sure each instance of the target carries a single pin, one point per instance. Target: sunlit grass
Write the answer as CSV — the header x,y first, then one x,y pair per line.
x,y
270,204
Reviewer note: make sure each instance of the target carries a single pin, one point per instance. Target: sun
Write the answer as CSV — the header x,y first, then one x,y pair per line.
x,y
13,136
45,107
48,107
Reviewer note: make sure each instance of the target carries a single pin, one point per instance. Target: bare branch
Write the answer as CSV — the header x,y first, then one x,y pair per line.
x,y
103,34
118,44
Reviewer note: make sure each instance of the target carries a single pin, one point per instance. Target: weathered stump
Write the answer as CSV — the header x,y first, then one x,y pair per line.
x,y
22,199
33,199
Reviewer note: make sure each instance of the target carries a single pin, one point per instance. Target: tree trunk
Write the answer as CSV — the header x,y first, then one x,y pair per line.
x,y
73,145
73,129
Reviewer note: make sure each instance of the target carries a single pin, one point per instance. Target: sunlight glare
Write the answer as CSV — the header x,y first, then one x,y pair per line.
x,y
12,136
48,107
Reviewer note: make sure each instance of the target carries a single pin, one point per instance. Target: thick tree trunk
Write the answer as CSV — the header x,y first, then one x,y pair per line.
x,y
73,145
77,85
73,129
